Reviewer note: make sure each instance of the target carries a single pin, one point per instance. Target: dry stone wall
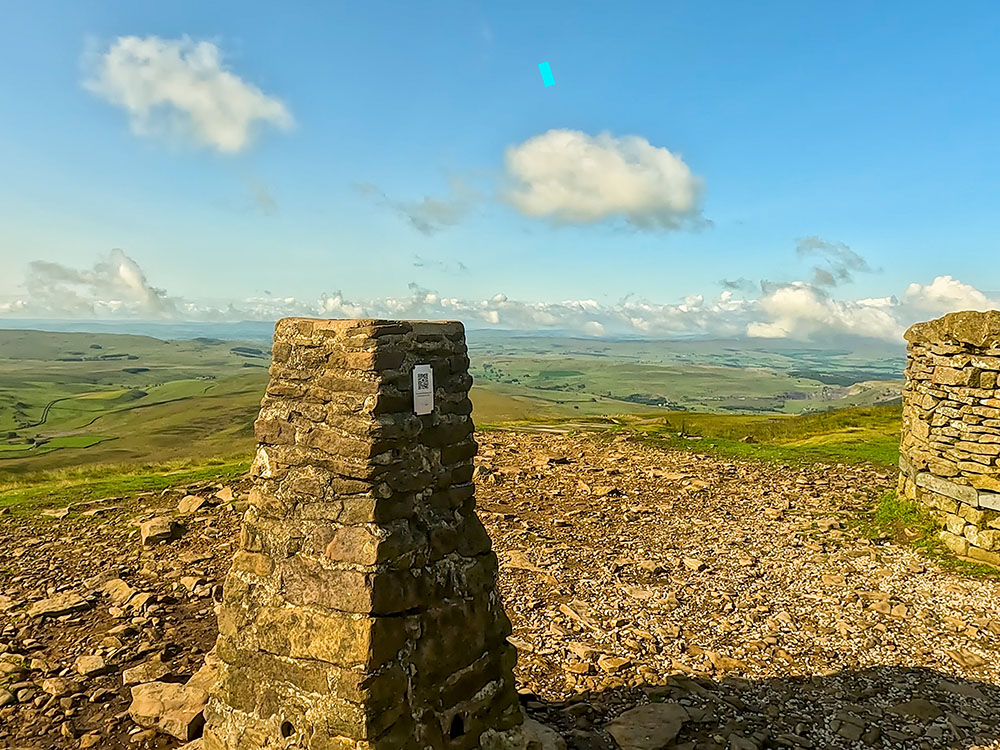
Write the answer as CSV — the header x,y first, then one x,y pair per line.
x,y
361,610
950,448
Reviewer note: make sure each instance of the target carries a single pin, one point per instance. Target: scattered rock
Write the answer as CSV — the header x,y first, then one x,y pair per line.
x,y
692,563
918,708
61,604
90,666
192,504
650,727
171,708
612,664
158,530
58,687
150,671
118,591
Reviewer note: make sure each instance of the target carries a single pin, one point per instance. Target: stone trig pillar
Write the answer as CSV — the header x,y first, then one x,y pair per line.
x,y
361,610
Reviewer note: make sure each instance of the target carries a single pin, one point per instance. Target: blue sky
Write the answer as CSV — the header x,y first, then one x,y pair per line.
x,y
870,128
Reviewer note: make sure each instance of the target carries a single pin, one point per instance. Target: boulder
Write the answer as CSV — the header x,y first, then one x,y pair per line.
x,y
650,727
207,676
529,735
177,710
537,736
192,504
173,709
118,591
157,530
58,605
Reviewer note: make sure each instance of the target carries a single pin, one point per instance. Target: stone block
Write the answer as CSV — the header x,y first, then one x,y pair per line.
x,y
987,539
972,515
986,483
955,524
961,492
957,544
984,556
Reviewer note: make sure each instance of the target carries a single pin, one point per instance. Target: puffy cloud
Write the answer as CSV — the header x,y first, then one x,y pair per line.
x,y
946,294
574,178
802,311
181,88
115,284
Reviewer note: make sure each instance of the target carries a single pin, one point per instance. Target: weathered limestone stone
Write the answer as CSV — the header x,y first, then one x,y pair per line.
x,y
60,604
945,487
192,504
174,709
361,611
950,446
118,591
989,500
160,529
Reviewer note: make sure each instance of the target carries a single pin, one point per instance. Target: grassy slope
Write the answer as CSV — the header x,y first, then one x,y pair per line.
x,y
125,399
856,434
57,488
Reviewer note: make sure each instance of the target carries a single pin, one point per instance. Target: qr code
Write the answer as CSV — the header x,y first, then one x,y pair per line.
x,y
423,381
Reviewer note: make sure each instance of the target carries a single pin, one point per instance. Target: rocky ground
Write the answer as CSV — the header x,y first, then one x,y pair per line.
x,y
659,599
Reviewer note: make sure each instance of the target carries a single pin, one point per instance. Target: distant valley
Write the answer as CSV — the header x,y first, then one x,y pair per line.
x,y
80,398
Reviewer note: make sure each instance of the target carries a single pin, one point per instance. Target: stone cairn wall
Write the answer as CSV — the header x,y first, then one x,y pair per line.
x,y
950,449
361,609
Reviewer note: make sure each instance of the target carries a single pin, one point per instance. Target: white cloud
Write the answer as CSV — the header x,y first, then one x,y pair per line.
x,y
181,88
116,287
946,294
574,178
802,311
114,284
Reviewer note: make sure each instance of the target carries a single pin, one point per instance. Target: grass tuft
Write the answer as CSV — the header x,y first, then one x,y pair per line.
x,y
907,522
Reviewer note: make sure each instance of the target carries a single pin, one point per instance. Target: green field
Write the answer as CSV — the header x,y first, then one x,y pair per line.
x,y
79,399
849,435
521,377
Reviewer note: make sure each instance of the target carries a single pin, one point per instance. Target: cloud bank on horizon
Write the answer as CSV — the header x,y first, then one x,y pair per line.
x,y
116,288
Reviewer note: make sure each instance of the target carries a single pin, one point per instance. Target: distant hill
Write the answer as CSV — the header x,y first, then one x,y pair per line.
x,y
70,397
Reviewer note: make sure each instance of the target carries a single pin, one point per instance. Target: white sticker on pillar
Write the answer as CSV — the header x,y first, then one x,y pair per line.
x,y
423,389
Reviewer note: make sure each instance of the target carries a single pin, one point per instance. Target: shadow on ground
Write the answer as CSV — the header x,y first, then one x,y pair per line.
x,y
880,707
